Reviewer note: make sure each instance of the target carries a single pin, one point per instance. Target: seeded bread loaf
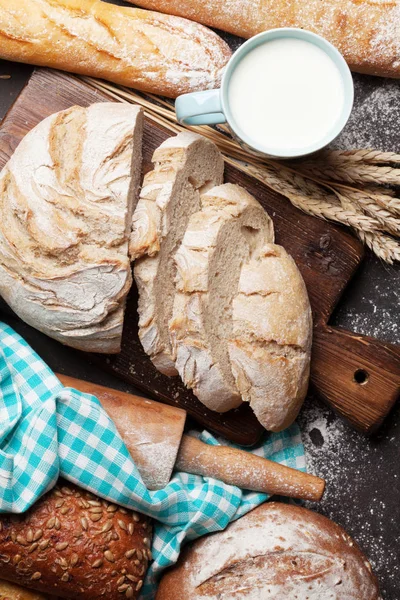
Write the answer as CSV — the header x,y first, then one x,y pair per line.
x,y
367,32
276,552
11,591
136,48
66,203
74,545
184,166
219,238
270,347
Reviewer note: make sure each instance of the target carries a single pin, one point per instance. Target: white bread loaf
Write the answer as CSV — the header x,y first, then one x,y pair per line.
x,y
184,166
218,240
276,552
137,48
241,326
66,203
270,347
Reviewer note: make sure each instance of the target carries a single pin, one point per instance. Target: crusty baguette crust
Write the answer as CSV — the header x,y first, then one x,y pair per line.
x,y
75,545
66,202
367,32
136,48
275,552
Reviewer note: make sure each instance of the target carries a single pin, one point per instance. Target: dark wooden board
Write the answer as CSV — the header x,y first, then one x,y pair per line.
x,y
327,256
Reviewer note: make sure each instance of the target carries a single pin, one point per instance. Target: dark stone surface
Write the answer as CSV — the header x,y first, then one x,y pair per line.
x,y
363,475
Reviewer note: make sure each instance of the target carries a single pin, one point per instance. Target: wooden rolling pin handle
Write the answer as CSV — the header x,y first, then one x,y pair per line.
x,y
246,470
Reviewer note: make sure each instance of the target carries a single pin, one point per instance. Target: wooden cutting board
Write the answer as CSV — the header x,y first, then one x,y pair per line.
x,y
358,376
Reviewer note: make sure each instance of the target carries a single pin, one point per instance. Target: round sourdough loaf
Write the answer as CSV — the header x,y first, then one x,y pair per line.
x,y
66,203
75,545
276,552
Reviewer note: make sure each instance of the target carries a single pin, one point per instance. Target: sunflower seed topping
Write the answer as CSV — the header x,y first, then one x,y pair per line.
x,y
29,535
97,563
130,553
74,560
122,524
61,546
33,547
95,518
122,588
36,575
50,523
129,592
106,527
84,523
139,585
108,555
130,528
21,540
43,545
120,581
37,535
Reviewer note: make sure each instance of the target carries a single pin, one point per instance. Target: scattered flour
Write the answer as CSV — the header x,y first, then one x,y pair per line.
x,y
362,493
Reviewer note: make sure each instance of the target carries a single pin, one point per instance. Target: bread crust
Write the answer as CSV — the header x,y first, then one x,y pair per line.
x,y
275,552
270,349
146,50
75,545
226,208
367,32
66,202
183,165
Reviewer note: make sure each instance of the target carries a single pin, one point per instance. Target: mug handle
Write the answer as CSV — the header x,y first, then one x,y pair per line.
x,y
200,108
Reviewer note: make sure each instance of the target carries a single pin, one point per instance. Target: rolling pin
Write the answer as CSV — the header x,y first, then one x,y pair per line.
x,y
153,434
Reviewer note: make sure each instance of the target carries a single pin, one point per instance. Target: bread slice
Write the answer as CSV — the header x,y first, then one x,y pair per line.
x,y
184,166
66,202
219,239
271,343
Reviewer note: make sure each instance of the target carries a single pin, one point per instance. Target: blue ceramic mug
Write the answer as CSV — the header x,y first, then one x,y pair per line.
x,y
212,107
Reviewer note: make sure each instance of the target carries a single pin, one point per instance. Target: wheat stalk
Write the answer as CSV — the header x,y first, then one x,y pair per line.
x,y
349,187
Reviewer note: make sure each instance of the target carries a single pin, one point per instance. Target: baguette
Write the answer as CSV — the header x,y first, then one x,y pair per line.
x,y
367,32
66,203
132,47
74,545
275,552
184,165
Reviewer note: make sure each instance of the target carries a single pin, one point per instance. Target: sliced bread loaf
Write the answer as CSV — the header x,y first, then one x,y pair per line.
x,y
271,343
184,166
66,203
219,239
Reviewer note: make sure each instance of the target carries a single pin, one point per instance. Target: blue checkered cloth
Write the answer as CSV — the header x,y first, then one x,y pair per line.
x,y
47,431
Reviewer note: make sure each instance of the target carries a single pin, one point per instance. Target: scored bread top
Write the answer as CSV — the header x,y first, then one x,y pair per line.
x,y
66,198
270,347
275,552
184,166
219,238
